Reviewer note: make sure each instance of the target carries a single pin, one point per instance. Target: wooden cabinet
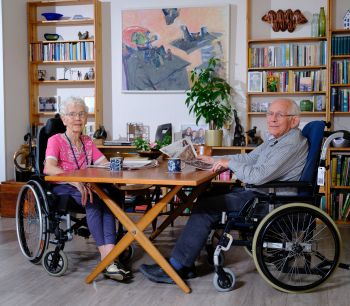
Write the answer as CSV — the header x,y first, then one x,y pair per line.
x,y
69,66
8,198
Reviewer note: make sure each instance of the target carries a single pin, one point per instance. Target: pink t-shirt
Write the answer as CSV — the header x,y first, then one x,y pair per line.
x,y
58,148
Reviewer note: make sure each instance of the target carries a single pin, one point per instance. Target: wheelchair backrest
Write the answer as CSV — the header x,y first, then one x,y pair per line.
x,y
314,132
52,127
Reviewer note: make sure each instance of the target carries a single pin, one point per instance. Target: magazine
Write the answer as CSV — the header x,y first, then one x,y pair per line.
x,y
184,150
131,164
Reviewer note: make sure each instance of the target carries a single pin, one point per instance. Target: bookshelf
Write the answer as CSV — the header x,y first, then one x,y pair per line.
x,y
67,66
331,64
284,64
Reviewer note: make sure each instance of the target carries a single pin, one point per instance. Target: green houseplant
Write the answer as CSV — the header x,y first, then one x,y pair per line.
x,y
209,99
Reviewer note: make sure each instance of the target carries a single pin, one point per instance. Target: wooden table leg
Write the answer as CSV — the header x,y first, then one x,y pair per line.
x,y
178,211
135,232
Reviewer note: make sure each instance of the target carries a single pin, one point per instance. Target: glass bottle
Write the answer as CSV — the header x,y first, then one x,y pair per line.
x,y
314,25
322,23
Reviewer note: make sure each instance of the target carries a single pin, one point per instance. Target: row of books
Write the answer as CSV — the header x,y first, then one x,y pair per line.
x,y
340,72
66,51
340,205
287,81
340,169
340,45
288,55
340,98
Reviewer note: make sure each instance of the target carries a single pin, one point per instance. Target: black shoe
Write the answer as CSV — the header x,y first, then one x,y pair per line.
x,y
156,274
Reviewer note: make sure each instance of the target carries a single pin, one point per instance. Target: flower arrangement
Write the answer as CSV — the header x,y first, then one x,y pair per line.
x,y
145,145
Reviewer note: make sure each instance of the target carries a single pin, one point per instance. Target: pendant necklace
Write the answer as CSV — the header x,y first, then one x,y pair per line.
x,y
75,158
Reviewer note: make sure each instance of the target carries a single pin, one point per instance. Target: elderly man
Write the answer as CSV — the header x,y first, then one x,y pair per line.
x,y
281,157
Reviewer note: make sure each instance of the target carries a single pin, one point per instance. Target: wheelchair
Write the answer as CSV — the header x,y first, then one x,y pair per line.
x,y
44,219
295,245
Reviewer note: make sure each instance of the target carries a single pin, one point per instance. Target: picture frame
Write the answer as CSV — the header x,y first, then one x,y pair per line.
x,y
90,103
255,81
48,104
195,132
162,45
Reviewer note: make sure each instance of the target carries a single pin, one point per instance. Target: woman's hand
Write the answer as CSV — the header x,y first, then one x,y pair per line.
x,y
220,164
86,192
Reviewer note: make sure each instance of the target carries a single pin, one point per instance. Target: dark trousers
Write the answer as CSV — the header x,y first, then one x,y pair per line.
x,y
205,215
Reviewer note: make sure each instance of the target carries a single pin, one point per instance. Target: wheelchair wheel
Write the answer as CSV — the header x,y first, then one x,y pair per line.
x,y
296,247
227,284
127,255
55,264
31,221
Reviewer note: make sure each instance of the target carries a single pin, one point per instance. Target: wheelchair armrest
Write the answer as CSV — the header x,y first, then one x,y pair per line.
x,y
282,184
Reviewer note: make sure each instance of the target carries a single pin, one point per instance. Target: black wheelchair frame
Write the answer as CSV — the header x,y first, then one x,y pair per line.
x,y
43,218
295,245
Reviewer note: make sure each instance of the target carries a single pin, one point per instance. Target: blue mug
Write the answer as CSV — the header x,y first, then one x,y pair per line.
x,y
174,165
116,164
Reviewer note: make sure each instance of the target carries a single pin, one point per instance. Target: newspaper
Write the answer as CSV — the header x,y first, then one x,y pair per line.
x,y
130,164
184,150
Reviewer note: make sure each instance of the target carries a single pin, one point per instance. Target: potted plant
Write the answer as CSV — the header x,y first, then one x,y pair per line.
x,y
209,98
151,149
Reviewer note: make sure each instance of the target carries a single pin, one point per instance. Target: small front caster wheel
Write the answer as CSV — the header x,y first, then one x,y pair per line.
x,y
225,284
55,264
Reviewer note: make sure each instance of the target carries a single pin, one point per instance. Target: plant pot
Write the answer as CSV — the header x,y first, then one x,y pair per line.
x,y
213,138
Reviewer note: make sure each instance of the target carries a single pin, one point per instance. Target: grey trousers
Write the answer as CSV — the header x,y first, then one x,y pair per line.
x,y
205,215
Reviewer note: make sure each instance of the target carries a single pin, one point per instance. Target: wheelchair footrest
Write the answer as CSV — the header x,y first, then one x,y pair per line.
x,y
83,232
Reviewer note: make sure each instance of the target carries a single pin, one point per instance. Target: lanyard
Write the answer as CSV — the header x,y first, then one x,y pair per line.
x,y
75,158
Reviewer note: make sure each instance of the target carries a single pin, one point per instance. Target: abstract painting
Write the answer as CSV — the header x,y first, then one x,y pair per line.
x,y
160,47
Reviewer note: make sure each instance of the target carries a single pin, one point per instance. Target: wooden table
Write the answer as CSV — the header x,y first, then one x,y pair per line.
x,y
156,176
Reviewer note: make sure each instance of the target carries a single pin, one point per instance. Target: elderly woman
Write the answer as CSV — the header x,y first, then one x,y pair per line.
x,y
72,150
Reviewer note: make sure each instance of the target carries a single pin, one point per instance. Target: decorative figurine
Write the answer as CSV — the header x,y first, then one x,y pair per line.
x,y
238,137
91,74
64,74
284,20
79,75
254,140
84,35
346,20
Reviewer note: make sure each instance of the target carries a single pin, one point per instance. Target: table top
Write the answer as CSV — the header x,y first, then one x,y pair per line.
x,y
189,176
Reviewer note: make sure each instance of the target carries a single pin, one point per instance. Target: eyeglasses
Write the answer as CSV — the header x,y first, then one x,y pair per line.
x,y
277,115
74,115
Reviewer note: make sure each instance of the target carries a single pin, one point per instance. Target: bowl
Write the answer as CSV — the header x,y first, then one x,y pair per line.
x,y
52,16
49,36
150,154
340,143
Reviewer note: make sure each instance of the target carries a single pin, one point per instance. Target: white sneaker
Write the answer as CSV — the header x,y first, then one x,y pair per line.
x,y
115,271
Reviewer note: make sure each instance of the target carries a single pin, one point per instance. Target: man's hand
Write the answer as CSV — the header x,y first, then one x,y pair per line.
x,y
206,159
220,164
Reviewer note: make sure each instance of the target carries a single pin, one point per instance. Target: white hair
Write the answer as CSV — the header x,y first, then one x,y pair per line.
x,y
71,101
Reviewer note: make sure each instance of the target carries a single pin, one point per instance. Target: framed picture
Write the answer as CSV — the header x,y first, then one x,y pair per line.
x,y
255,81
161,46
90,103
48,104
195,132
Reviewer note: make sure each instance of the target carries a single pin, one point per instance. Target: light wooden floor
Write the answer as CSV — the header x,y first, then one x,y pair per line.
x,y
22,283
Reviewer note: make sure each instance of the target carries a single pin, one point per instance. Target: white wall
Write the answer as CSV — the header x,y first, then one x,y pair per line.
x,y
15,71
2,110
154,109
